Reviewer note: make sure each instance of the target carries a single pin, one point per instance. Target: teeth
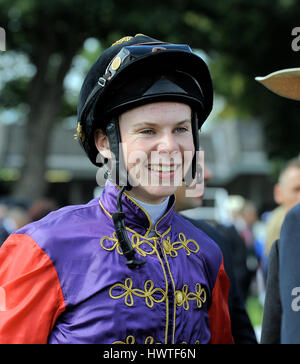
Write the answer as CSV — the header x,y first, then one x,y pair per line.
x,y
162,168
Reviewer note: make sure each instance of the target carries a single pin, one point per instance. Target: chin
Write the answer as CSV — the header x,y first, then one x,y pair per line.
x,y
154,194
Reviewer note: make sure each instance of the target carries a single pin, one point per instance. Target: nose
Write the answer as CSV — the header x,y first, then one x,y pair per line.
x,y
168,144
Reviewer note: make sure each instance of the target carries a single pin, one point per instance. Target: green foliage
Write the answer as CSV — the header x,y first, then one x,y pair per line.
x,y
255,311
248,39
243,39
14,93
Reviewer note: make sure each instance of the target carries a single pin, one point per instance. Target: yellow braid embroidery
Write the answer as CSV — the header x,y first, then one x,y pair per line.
x,y
149,340
182,297
122,40
136,242
126,39
190,245
114,239
148,292
131,340
79,133
171,248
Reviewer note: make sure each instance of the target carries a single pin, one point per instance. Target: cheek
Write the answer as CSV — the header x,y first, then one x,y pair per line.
x,y
188,149
188,142
135,153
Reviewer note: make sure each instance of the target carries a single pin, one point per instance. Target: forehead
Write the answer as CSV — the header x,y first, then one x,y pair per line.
x,y
291,176
158,112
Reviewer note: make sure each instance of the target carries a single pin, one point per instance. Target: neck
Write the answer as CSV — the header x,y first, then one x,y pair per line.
x,y
155,211
144,197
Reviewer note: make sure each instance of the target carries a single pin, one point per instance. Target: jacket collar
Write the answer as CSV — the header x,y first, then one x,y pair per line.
x,y
136,218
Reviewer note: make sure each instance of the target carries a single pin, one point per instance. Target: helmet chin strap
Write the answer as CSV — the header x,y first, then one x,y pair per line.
x,y
118,164
195,130
192,171
114,137
125,244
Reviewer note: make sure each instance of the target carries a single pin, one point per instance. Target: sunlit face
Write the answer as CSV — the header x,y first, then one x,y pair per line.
x,y
158,146
287,192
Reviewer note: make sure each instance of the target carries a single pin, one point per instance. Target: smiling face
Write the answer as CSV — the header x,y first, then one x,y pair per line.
x,y
157,143
155,138
287,191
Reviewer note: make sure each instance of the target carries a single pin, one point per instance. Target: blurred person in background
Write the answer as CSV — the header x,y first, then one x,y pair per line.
x,y
3,210
250,231
41,208
14,218
3,232
242,241
281,320
242,330
286,195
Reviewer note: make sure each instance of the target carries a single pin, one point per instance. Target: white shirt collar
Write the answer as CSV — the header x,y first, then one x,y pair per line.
x,y
155,211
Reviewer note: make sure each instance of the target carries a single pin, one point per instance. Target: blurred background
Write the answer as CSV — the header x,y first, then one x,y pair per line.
x,y
50,45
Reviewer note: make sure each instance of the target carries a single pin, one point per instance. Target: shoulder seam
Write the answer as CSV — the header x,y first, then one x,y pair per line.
x,y
60,293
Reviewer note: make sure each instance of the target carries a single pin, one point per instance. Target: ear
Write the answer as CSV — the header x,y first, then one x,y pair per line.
x,y
278,194
102,143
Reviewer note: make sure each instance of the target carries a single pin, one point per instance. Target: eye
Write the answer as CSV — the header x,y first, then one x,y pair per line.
x,y
181,129
147,131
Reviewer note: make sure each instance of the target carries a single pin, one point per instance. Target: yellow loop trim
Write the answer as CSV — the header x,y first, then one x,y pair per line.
x,y
129,292
126,39
79,133
122,40
182,297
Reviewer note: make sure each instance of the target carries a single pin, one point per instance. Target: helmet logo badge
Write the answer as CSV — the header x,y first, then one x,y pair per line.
x,y
116,63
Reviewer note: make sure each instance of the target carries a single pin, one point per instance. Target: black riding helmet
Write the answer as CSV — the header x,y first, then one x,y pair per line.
x,y
136,71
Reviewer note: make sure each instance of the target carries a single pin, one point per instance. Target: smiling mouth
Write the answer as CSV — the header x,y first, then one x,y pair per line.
x,y
162,168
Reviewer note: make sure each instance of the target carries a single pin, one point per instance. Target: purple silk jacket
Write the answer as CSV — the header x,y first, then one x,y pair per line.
x,y
64,279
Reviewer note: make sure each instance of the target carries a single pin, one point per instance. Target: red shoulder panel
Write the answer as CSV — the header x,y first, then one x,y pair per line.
x,y
31,298
219,318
